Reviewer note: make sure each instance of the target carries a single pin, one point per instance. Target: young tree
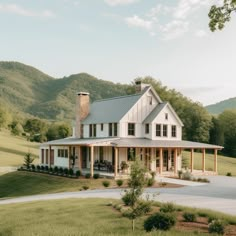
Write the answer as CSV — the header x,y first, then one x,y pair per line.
x,y
28,160
219,15
132,196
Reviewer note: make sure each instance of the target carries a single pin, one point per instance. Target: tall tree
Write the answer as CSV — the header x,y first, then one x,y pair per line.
x,y
219,15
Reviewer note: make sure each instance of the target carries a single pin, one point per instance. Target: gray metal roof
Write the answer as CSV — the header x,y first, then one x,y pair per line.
x,y
143,142
110,110
155,112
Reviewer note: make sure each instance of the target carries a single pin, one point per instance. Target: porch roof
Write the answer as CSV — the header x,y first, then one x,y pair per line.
x,y
143,142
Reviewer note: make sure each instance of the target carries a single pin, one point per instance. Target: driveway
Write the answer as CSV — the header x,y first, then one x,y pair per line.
x,y
219,195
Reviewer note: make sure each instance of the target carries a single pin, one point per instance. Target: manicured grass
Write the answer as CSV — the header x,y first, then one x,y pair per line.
x,y
13,149
225,164
21,183
70,217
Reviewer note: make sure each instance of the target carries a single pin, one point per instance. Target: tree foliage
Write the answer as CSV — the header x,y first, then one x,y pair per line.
x,y
58,131
219,15
28,160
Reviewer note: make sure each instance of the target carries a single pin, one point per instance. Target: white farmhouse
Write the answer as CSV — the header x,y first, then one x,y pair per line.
x,y
112,132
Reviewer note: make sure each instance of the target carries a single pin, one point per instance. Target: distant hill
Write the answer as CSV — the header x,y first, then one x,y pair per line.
x,y
28,90
221,106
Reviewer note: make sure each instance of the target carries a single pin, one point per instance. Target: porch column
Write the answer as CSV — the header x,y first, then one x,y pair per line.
x,y
203,159
175,161
116,162
192,160
161,160
69,154
215,161
91,160
49,157
79,158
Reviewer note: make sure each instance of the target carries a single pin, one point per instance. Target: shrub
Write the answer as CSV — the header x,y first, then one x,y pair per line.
x,y
167,207
160,221
229,174
211,218
60,170
106,183
50,169
153,174
119,182
55,169
85,187
189,217
42,168
96,176
78,173
33,167
127,199
38,167
180,172
150,182
46,168
66,171
216,226
187,175
71,172
87,176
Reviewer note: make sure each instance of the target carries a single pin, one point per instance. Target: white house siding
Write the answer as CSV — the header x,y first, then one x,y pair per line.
x,y
122,156
136,115
160,119
60,161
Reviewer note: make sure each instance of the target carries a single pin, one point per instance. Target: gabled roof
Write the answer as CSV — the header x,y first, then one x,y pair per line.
x,y
110,110
156,111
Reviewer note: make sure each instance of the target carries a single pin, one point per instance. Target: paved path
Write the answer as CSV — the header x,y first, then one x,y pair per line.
x,y
219,195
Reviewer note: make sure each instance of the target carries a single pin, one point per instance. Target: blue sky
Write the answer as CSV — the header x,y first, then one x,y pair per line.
x,y
119,40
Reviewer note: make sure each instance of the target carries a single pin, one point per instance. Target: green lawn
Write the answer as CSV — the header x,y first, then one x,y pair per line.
x,y
69,217
225,164
22,183
13,149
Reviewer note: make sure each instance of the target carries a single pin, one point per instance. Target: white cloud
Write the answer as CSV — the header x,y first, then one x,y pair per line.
x,y
18,10
120,2
200,33
136,21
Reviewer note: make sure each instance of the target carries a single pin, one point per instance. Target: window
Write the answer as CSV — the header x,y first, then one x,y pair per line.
x,y
62,153
158,130
150,100
166,116
146,128
130,154
173,130
115,129
131,129
94,130
90,130
110,129
101,127
165,130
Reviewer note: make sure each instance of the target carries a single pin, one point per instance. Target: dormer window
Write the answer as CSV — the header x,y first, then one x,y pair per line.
x,y
101,127
131,129
165,130
166,116
146,128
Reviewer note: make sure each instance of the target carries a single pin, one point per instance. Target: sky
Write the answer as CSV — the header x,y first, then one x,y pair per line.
x,y
120,40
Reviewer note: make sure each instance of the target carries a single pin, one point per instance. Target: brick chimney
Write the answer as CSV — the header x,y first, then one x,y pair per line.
x,y
82,111
139,86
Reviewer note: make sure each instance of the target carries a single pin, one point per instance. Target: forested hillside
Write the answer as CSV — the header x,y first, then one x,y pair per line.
x,y
30,100
219,107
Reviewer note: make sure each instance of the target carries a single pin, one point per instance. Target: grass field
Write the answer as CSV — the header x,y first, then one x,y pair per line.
x,y
225,164
13,149
70,217
27,183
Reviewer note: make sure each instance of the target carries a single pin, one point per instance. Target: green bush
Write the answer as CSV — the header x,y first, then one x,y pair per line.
x,y
42,168
66,171
33,167
87,176
60,170
160,221
119,182
106,183
50,169
211,218
55,169
46,168
71,172
85,187
229,174
127,199
180,172
187,175
167,207
216,226
38,167
189,217
78,173
96,176
150,182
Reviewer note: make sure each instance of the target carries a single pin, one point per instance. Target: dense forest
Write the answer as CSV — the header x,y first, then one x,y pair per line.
x,y
42,108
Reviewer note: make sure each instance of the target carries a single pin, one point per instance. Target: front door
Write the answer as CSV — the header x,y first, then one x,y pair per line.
x,y
84,152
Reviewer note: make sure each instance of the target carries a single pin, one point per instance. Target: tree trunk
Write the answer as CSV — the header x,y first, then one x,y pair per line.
x,y
133,225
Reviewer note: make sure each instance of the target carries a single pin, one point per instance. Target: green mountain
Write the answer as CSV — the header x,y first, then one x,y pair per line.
x,y
28,90
219,107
